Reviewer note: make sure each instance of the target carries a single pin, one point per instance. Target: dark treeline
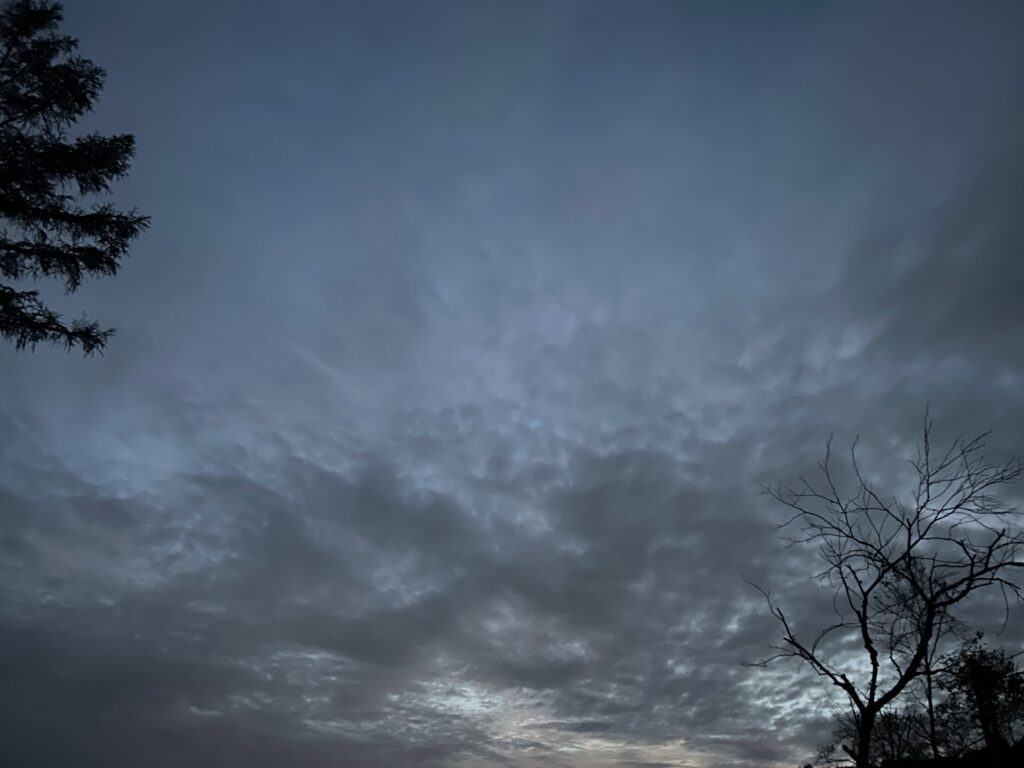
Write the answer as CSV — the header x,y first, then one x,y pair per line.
x,y
967,710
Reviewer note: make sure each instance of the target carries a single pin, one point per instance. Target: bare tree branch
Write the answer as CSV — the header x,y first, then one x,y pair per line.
x,y
899,568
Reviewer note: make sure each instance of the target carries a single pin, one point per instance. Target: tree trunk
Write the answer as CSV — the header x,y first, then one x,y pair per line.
x,y
987,709
865,727
994,738
933,734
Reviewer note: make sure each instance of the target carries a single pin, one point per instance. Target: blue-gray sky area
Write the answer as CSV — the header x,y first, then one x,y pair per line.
x,y
464,336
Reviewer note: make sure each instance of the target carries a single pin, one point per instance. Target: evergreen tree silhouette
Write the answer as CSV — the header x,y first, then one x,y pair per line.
x,y
47,230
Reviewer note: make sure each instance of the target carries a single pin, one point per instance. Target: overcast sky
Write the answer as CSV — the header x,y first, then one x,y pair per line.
x,y
447,374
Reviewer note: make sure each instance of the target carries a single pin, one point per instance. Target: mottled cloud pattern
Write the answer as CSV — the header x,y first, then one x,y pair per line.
x,y
463,339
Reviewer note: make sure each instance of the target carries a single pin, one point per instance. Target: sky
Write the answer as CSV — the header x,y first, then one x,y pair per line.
x,y
464,337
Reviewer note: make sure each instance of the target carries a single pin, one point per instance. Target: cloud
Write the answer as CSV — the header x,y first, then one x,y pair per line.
x,y
452,367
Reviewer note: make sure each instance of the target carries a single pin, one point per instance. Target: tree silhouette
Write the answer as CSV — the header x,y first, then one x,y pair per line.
x,y
45,228
900,734
898,567
984,693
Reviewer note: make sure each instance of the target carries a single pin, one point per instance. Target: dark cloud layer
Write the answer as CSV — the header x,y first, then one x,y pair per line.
x,y
461,344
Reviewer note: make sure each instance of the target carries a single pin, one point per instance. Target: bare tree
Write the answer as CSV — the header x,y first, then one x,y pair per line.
x,y
925,693
899,567
899,735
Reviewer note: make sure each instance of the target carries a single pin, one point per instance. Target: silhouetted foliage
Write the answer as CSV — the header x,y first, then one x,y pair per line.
x,y
978,717
899,566
979,758
984,697
46,230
